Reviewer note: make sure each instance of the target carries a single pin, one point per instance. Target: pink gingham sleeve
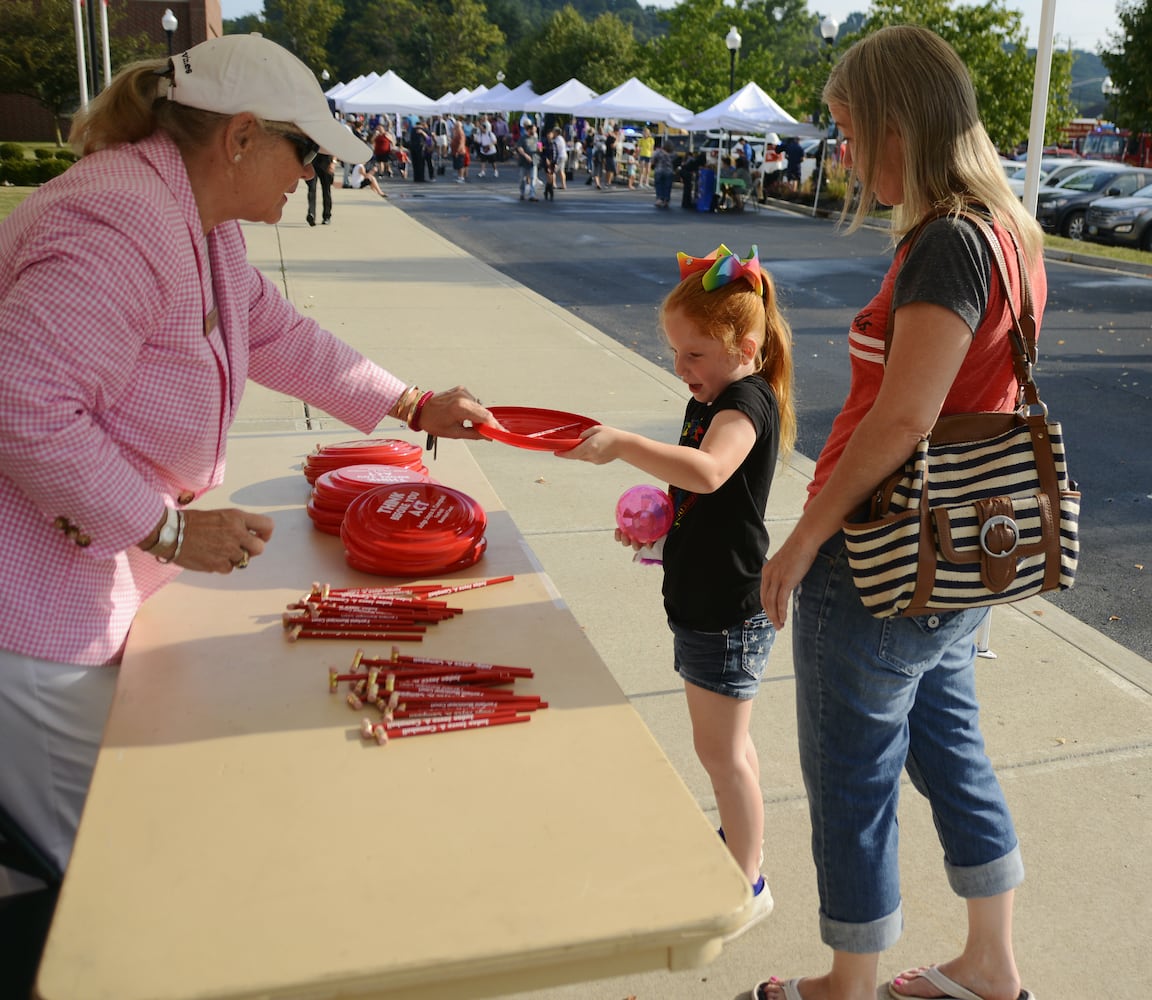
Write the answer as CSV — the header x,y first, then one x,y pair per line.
x,y
291,353
89,283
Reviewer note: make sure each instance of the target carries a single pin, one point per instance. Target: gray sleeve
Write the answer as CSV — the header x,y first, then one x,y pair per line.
x,y
950,265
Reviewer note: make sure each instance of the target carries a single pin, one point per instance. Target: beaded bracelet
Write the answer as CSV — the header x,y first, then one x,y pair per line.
x,y
414,418
179,540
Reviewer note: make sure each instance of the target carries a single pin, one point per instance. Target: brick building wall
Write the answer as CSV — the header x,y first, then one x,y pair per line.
x,y
23,120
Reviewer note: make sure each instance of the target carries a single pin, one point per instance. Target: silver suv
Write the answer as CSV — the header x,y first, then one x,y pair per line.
x,y
1122,221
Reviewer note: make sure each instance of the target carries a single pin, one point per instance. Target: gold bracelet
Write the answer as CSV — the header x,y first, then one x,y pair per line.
x,y
405,403
410,404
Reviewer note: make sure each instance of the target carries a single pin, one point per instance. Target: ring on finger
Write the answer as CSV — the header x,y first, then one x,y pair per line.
x,y
243,563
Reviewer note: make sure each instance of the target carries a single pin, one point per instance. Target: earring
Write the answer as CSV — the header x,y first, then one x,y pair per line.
x,y
236,158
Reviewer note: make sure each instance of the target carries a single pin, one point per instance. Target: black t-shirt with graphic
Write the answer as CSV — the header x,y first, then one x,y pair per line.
x,y
714,551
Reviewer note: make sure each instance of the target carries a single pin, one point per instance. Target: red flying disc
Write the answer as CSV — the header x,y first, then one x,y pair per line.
x,y
536,429
374,451
413,529
333,491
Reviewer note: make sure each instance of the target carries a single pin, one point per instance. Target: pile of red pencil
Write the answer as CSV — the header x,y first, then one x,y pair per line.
x,y
420,695
402,613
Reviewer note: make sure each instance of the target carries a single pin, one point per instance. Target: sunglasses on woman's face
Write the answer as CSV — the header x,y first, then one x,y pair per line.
x,y
306,149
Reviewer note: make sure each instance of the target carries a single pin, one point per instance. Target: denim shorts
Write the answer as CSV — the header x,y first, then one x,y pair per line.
x,y
729,662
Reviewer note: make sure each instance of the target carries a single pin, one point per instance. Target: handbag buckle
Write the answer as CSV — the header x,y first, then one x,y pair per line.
x,y
992,524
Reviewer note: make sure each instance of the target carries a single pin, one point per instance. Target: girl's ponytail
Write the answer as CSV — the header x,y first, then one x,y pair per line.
x,y
776,364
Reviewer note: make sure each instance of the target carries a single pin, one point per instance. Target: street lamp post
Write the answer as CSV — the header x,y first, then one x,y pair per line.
x,y
732,40
169,23
829,28
1108,90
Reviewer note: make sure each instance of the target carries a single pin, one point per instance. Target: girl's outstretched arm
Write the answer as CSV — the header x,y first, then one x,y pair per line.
x,y
730,438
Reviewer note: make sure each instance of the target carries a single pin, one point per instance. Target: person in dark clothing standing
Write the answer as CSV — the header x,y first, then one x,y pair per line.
x,y
429,149
416,152
548,163
324,167
794,157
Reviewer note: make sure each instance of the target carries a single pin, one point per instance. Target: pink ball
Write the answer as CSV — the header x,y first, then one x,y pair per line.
x,y
644,513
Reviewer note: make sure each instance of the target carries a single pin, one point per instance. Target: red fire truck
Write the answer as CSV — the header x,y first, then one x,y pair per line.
x,y
1107,142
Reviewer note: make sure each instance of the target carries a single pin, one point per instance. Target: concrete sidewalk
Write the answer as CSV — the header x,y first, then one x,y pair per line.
x,y
1067,712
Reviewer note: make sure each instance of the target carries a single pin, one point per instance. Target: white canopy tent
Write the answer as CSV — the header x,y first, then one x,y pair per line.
x,y
352,88
560,100
456,104
636,101
389,95
515,99
483,99
750,109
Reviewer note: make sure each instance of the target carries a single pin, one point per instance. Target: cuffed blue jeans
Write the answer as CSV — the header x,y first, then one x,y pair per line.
x,y
873,697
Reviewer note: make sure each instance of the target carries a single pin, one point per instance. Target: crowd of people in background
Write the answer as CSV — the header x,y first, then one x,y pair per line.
x,y
546,155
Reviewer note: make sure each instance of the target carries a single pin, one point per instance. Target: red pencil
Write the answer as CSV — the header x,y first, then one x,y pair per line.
x,y
407,722
401,658
450,705
461,587
299,632
392,732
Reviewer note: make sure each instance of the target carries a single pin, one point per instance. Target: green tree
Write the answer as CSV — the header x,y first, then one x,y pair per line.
x,y
374,36
1129,64
785,31
303,27
601,54
38,54
511,18
692,65
475,53
245,25
434,46
991,40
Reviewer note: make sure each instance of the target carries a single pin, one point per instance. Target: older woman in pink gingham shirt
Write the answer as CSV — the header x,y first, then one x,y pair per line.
x,y
131,321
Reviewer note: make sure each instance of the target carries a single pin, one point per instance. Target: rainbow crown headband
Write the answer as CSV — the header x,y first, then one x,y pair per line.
x,y
722,266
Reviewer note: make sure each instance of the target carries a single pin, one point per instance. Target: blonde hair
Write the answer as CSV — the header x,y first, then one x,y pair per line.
x,y
134,106
907,79
729,314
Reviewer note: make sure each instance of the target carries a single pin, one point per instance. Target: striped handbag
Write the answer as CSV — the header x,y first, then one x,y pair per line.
x,y
983,512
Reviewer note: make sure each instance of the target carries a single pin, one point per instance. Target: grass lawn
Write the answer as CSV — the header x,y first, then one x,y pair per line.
x,y
10,197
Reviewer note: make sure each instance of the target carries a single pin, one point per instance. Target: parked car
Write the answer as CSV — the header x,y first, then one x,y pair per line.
x,y
1122,221
1053,171
1014,171
1061,170
713,146
1062,209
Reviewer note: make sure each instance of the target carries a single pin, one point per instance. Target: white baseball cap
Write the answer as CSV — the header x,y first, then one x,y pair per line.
x,y
237,73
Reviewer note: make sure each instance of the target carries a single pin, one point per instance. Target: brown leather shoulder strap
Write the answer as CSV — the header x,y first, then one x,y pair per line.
x,y
1023,333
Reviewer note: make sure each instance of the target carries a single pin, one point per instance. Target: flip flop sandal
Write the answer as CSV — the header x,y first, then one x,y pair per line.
x,y
951,989
791,988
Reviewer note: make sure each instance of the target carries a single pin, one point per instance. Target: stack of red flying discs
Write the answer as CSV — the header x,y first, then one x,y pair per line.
x,y
413,529
333,491
369,451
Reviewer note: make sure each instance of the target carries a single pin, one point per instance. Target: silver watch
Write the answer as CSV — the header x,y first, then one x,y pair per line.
x,y
169,532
